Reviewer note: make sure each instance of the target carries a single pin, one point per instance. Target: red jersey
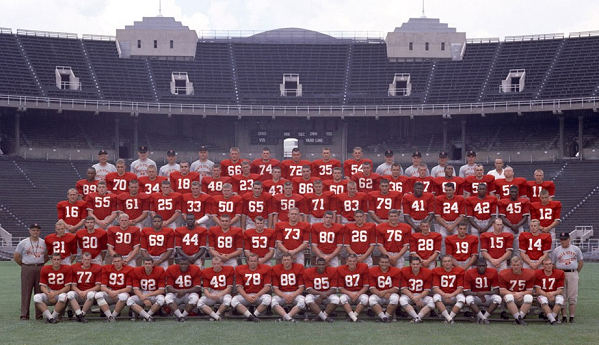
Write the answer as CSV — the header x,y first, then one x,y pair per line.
x,y
450,209
384,280
516,282
335,187
461,249
272,187
302,187
546,214
56,279
84,187
220,280
514,210
533,189
117,279
496,245
157,242
280,205
123,241
133,206
418,207
72,213
427,182
182,183
425,245
264,169
230,168
481,209
393,238
381,204
549,283
353,280
318,204
183,280
148,186
347,205
102,205
360,238
476,282
149,282
232,206
94,243
534,246
416,283
327,239
471,184
243,184
65,245
165,205
365,183
259,243
440,182
502,187
191,241
288,280
214,186
450,281
225,242
86,278
197,206
292,236
321,282
118,184
254,207
399,184
324,170
253,281
352,166
291,169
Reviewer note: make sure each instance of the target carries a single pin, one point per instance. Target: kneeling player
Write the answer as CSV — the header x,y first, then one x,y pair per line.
x,y
448,284
549,286
481,288
253,288
515,285
288,286
218,285
321,285
55,282
415,288
116,285
148,289
384,285
183,283
353,283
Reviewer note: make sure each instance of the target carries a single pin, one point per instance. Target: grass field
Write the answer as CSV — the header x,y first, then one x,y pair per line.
x,y
13,331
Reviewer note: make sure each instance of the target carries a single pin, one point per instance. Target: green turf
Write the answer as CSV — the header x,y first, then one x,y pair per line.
x,y
13,331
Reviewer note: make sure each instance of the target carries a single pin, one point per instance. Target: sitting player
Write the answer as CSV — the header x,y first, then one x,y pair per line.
x,y
321,285
148,288
182,285
448,285
55,283
481,288
218,285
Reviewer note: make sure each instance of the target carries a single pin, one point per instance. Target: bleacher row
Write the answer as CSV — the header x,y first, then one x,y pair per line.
x,y
331,74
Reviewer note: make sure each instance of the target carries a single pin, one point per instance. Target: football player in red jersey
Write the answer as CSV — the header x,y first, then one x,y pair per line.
x,y
327,239
462,248
353,282
481,210
497,246
149,282
418,207
135,204
350,202
55,282
282,203
535,187
102,206
393,239
449,177
422,176
337,184
318,203
253,282
261,241
383,201
354,165
151,184
92,240
448,285
242,183
256,204
117,282
360,238
124,240
288,287
291,168
548,212
293,236
397,181
304,184
549,286
516,286
232,166
183,285
274,186
87,278
118,182
88,184
503,185
181,180
263,165
213,184
514,212
225,241
384,285
72,211
63,243
481,287
535,246
323,168
366,180
218,285
191,241
227,203
416,284
321,286
197,204
157,242
426,245
472,182
450,211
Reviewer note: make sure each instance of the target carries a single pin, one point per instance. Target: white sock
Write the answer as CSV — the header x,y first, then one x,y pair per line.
x,y
247,313
78,312
486,315
452,315
215,316
177,313
256,313
413,314
481,316
47,315
286,317
446,315
382,315
322,315
353,316
54,314
551,317
388,315
144,314
108,313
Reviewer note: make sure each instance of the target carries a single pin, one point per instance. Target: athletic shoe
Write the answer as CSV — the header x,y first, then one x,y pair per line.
x,y
149,319
565,319
571,319
253,318
521,321
81,318
110,319
329,320
51,320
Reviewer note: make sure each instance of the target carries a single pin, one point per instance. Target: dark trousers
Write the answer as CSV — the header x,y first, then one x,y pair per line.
x,y
30,281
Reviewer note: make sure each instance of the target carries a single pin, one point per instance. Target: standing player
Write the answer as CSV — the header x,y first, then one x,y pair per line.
x,y
263,165
449,177
124,240
481,287
191,241
293,236
171,166
514,212
288,287
468,168
181,180
323,168
261,241
384,285
481,210
232,166
448,285
366,180
516,285
318,203
327,240
503,185
63,243
203,165
117,281
282,203
426,245
151,183
568,258
92,241
118,182
422,177
102,206
253,282
213,184
497,246
149,283
87,279
338,184
304,184
140,166
462,248
225,241
226,203
242,183
472,182
321,285
353,166
418,207
103,168
291,168
439,169
183,285
72,211
450,210
360,238
385,168
88,184
166,204
535,246
55,282
350,202
157,242
353,281
393,239
255,204
218,285
274,186
30,254
416,284
196,203
547,211
549,286
382,202
134,204
535,187
397,181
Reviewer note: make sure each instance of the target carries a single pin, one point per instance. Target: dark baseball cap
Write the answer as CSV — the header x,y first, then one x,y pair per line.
x,y
143,149
471,153
102,152
389,153
442,154
171,153
564,235
203,148
35,226
417,154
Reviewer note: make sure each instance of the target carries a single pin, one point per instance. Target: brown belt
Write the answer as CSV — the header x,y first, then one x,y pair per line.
x,y
570,271
36,265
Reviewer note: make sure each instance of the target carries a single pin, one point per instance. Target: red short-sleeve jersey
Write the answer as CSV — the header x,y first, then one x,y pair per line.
x,y
254,207
288,280
230,168
549,283
165,205
133,205
65,245
450,281
183,280
84,187
471,183
353,280
365,183
399,184
496,245
218,280
514,210
301,186
280,205
450,209
360,238
149,282
440,183
516,282
416,283
123,241
117,279
534,246
102,205
86,278
502,187
198,206
259,243
393,238
232,206
56,279
335,187
385,280
292,236
225,242
347,205
352,166
94,243
324,170
425,245
546,214
243,184
291,169
157,242
533,189
427,182
264,169
476,282
182,183
272,187
317,204
481,209
461,248
381,204
418,207
327,239
253,281
118,184
214,186
318,281
148,186
191,241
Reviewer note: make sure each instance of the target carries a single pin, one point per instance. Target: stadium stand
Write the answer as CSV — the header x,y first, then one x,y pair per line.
x,y
15,76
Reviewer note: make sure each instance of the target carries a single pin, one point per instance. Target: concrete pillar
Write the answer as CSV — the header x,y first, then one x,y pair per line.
x,y
580,131
560,147
344,141
17,134
463,140
117,138
445,125
135,134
